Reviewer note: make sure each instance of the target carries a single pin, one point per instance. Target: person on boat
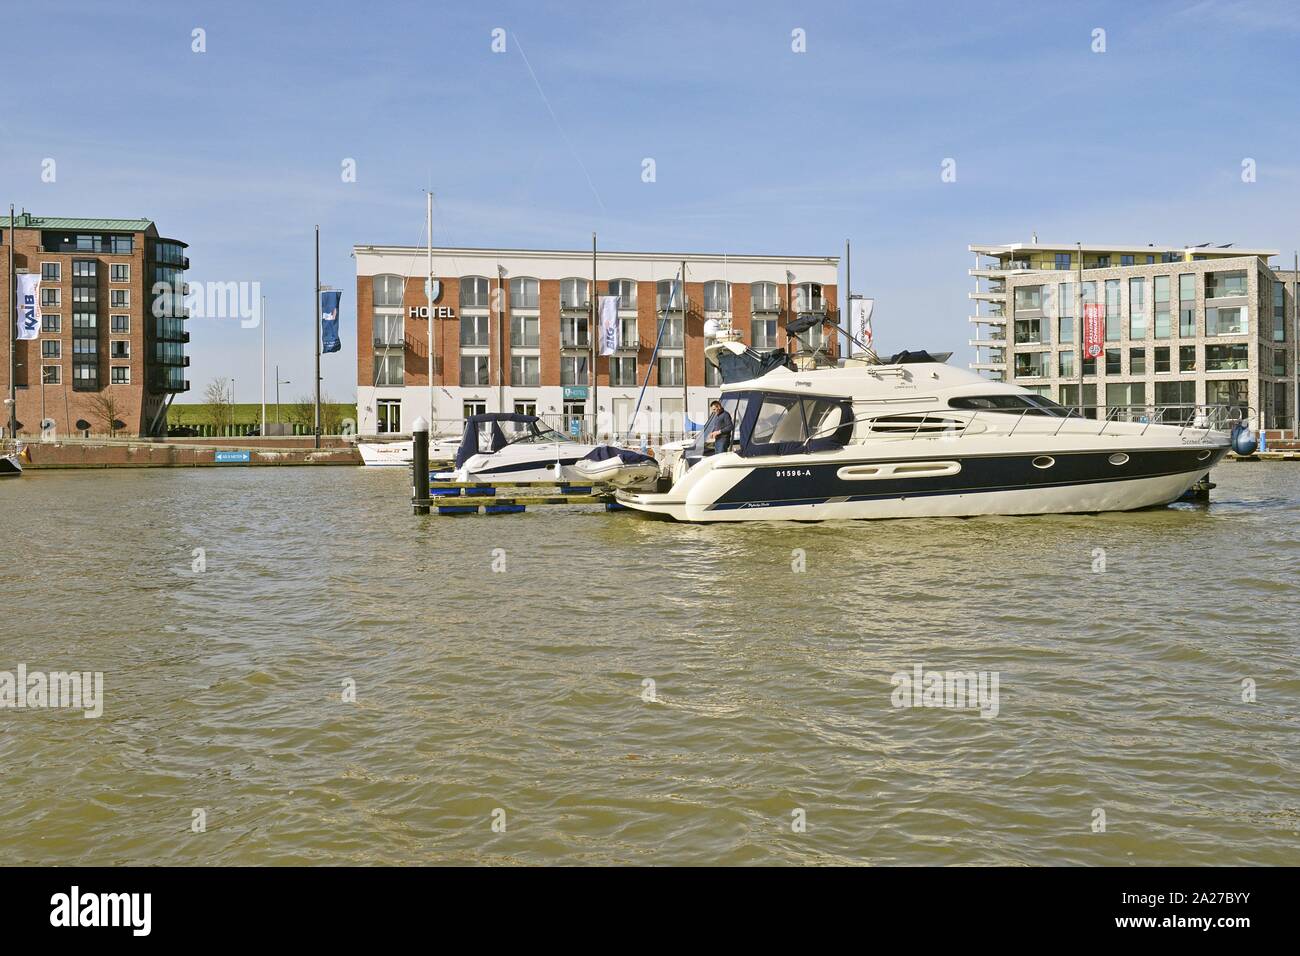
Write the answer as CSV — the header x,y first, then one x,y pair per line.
x,y
719,427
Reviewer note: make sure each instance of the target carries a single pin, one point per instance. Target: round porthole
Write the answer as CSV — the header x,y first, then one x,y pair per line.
x,y
1119,458
1203,456
1044,461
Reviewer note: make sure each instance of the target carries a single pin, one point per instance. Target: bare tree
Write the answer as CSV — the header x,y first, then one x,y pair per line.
x,y
219,405
105,407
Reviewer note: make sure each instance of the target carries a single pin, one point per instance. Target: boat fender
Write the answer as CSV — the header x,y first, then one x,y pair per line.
x,y
1244,440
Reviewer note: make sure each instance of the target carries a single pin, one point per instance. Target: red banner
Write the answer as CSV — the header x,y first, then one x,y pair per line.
x,y
1094,330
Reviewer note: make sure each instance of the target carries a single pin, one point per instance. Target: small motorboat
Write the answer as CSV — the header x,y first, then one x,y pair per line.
x,y
11,465
500,446
619,467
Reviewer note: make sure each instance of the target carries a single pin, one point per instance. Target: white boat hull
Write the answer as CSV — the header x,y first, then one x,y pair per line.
x,y
399,454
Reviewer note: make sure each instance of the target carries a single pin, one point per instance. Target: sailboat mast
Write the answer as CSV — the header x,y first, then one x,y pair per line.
x,y
428,294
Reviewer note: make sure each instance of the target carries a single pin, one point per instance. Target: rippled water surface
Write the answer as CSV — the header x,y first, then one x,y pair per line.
x,y
522,691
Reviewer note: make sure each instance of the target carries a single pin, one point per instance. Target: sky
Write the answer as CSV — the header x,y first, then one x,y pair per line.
x,y
240,149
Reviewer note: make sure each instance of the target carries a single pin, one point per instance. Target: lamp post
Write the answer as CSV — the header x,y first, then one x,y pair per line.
x,y
278,382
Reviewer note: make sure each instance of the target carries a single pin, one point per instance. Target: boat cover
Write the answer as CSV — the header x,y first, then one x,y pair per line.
x,y
750,364
625,455
469,441
920,355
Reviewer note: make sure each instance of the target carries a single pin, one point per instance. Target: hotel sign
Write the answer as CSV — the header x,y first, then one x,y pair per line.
x,y
439,312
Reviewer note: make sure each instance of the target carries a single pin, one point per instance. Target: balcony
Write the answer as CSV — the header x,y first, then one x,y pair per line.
x,y
988,295
389,341
574,305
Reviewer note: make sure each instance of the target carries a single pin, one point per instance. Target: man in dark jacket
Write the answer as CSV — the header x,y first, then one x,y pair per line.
x,y
718,428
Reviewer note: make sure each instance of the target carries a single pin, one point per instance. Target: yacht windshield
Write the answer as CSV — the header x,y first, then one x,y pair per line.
x,y
532,433
1011,404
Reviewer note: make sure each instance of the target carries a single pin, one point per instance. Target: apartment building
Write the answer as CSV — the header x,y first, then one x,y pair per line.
x,y
512,332
1189,325
111,352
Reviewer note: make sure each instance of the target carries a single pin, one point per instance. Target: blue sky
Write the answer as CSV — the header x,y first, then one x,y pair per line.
x,y
238,150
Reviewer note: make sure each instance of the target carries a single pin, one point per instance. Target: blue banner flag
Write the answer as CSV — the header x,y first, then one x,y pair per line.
x,y
329,321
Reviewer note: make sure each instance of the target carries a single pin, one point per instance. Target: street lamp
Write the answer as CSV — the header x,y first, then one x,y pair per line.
x,y
278,382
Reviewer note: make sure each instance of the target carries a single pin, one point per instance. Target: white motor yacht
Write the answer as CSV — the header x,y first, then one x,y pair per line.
x,y
914,437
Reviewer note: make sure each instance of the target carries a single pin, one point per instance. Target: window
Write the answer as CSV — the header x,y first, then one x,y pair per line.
x,y
1233,392
84,269
1162,358
668,295
389,369
85,376
474,292
1070,399
51,375
88,321
1279,360
764,297
1065,296
712,375
1027,331
672,337
525,370
622,370
84,346
119,349
1221,284
1089,367
1062,260
1137,361
1032,364
119,272
121,245
51,348
764,333
1181,395
51,322
1124,400
1137,308
51,271
1230,321
1114,359
1187,358
625,289
523,330
573,370
1279,312
474,331
84,293
523,293
1065,364
1113,329
386,291
119,298
1229,358
1103,262
670,370
717,297
628,338
574,332
1187,306
470,409
1126,260
474,370
49,297
120,324
389,415
808,298
1160,287
525,408
573,294
389,329
120,375
1029,298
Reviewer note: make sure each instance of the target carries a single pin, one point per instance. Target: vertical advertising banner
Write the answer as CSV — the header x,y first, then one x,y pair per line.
x,y
29,306
860,321
1094,329
608,324
329,321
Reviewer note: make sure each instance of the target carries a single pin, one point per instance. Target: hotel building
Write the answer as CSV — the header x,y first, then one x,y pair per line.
x,y
512,332
1191,325
102,347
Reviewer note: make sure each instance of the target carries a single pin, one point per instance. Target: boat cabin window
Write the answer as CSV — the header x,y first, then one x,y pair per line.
x,y
789,424
1011,404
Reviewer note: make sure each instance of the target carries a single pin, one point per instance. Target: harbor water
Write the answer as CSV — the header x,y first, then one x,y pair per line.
x,y
297,670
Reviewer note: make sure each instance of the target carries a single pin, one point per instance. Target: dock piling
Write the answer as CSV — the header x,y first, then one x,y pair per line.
x,y
420,466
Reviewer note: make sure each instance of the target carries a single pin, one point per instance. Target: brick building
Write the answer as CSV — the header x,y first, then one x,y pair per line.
x,y
108,343
512,332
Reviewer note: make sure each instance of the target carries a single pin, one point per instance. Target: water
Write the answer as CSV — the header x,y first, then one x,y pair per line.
x,y
522,691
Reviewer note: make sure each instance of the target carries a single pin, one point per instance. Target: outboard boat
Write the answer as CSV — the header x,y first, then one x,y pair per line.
x,y
501,446
11,465
910,436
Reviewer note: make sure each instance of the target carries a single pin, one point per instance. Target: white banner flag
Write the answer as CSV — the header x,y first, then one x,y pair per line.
x,y
29,306
608,324
860,321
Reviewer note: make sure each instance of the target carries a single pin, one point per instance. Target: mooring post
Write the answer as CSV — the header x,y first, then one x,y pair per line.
x,y
420,466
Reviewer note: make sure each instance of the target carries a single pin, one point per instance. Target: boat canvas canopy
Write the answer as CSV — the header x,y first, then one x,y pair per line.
x,y
778,423
749,364
469,443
